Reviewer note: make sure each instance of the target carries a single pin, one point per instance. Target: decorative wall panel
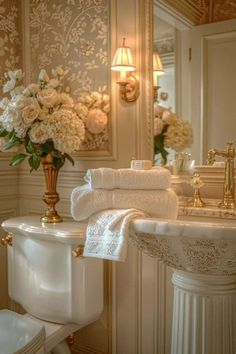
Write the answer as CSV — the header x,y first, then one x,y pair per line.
x,y
74,35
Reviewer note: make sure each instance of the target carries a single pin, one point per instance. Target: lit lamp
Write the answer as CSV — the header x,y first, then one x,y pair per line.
x,y
123,62
157,71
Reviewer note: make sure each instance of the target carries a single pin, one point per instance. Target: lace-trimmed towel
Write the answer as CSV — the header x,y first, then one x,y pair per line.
x,y
157,203
127,178
107,233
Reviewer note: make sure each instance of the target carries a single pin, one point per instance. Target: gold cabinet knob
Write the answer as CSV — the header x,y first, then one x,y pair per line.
x,y
7,240
78,252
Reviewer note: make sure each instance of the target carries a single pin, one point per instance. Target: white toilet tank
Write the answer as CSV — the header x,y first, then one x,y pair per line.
x,y
44,276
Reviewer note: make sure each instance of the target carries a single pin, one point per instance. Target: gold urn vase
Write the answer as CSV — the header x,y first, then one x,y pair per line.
x,y
50,197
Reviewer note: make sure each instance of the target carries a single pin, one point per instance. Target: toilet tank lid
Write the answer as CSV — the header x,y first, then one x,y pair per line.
x,y
31,226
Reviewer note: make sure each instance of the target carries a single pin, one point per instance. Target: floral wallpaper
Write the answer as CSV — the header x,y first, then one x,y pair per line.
x,y
9,36
74,34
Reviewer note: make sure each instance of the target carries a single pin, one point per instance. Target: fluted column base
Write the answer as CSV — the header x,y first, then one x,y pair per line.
x,y
204,314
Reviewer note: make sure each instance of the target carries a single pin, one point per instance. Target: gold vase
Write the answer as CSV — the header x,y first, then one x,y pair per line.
x,y
51,197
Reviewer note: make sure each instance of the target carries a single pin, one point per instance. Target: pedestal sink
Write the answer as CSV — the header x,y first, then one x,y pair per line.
x,y
202,254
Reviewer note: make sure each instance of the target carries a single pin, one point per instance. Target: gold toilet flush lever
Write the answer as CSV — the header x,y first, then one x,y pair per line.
x,y
7,240
78,252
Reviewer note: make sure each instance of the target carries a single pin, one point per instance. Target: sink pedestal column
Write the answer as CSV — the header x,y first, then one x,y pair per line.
x,y
204,314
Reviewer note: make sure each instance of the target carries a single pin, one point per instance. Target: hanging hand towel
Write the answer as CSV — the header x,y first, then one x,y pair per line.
x,y
107,233
127,178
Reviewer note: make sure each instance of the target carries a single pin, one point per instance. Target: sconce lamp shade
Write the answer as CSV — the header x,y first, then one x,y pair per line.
x,y
123,60
157,65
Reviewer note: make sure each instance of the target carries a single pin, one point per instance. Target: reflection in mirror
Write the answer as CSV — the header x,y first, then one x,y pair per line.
x,y
164,41
172,135
200,77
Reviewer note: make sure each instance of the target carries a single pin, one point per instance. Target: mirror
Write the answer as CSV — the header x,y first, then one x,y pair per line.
x,y
199,78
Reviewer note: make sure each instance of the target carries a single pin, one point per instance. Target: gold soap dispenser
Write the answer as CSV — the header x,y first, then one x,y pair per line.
x,y
196,183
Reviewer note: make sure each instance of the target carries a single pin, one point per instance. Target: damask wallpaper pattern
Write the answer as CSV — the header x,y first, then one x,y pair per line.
x,y
10,54
74,34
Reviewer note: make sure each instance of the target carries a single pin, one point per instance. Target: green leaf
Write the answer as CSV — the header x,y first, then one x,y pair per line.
x,y
30,148
17,159
56,153
48,146
68,157
58,162
3,132
34,161
11,143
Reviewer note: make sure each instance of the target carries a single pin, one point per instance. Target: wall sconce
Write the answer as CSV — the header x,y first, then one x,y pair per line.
x,y
129,84
157,71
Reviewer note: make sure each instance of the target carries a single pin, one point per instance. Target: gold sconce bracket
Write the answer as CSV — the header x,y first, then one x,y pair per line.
x,y
129,89
78,252
7,240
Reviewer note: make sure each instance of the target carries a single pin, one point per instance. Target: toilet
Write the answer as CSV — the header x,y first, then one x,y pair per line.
x,y
60,290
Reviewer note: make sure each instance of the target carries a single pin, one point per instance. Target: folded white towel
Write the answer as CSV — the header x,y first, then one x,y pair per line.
x,y
107,233
127,178
157,203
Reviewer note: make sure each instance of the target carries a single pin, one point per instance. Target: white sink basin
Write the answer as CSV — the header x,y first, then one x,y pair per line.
x,y
198,244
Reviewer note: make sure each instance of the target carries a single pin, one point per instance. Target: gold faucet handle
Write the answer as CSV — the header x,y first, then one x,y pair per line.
x,y
211,156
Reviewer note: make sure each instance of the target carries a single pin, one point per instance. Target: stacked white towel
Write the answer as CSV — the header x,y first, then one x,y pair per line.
x,y
112,198
156,203
127,178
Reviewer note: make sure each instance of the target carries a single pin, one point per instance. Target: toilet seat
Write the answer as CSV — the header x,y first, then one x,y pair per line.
x,y
20,334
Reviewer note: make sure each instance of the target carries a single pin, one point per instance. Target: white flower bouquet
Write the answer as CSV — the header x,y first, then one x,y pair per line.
x,y
41,117
170,131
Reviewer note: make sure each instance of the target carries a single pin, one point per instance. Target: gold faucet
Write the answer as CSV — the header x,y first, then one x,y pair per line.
x,y
229,154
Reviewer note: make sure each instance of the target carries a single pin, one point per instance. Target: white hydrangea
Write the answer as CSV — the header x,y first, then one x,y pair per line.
x,y
66,130
179,134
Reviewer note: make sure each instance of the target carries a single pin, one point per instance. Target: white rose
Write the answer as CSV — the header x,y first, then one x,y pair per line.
x,y
34,89
9,85
48,97
30,113
39,133
43,76
96,121
43,114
